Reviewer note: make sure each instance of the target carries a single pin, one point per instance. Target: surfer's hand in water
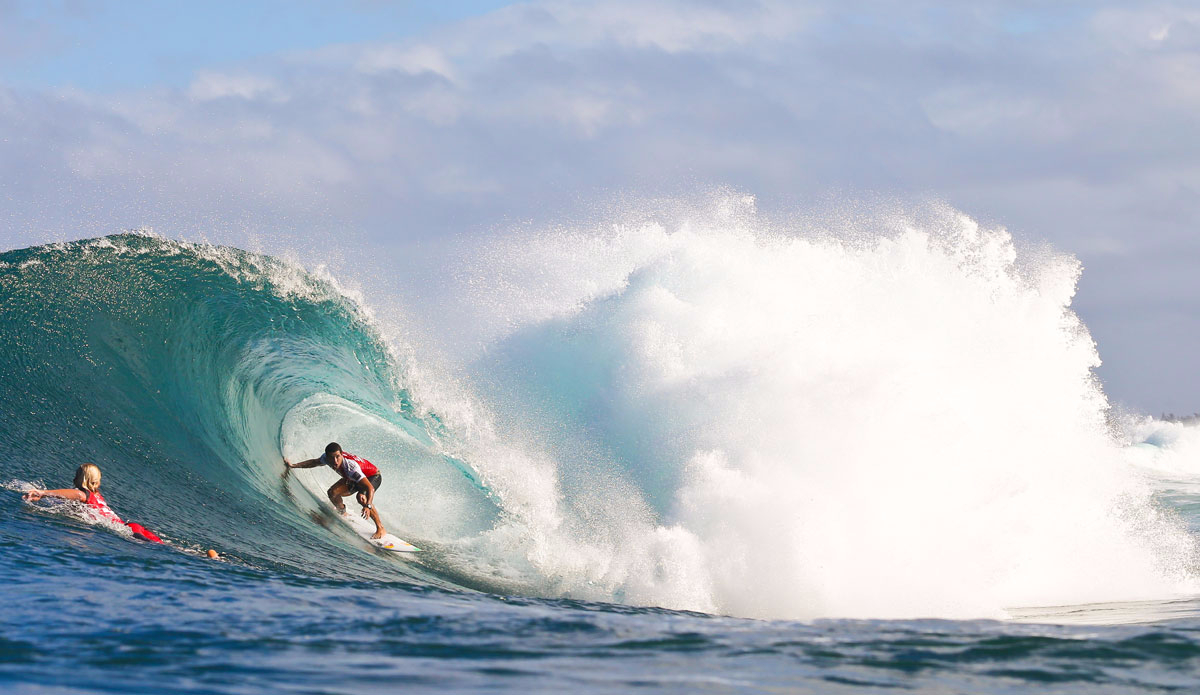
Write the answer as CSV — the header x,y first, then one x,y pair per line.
x,y
32,495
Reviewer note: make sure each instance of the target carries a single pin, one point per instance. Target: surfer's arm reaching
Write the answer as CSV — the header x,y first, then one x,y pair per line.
x,y
66,494
311,463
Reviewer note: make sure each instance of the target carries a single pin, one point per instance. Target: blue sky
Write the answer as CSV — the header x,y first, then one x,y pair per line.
x,y
139,43
310,127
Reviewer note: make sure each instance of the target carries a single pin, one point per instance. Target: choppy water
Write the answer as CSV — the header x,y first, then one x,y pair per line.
x,y
713,425
92,612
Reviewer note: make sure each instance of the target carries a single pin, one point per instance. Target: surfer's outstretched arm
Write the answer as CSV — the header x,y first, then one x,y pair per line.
x,y
311,463
66,494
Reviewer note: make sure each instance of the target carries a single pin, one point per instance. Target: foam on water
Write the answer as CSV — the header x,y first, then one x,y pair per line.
x,y
898,422
1170,448
67,508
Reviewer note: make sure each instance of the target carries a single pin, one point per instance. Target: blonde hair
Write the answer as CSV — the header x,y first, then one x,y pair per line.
x,y
87,477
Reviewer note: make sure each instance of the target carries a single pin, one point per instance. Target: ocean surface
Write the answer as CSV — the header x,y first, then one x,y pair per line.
x,y
680,460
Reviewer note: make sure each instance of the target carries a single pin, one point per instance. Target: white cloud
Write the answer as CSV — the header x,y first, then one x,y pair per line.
x,y
979,113
411,59
208,86
673,26
1154,27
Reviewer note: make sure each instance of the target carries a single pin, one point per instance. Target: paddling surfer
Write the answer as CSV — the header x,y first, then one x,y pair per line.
x,y
359,477
87,491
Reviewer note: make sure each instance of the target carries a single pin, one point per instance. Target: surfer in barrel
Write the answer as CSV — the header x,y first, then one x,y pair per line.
x,y
359,477
87,491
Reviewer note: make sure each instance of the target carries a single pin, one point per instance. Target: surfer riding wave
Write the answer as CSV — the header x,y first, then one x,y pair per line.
x,y
358,476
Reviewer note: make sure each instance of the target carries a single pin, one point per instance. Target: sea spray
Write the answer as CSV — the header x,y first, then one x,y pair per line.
x,y
902,422
1167,447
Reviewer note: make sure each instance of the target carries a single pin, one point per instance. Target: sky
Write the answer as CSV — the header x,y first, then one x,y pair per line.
x,y
396,124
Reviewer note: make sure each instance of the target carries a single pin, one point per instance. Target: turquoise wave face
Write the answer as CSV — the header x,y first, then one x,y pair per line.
x,y
186,372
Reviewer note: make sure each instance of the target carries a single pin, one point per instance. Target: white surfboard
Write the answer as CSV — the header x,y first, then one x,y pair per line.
x,y
366,529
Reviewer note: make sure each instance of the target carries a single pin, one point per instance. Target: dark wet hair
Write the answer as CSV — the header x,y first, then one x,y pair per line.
x,y
332,447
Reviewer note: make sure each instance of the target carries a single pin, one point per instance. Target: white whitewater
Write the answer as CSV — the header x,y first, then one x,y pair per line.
x,y
895,418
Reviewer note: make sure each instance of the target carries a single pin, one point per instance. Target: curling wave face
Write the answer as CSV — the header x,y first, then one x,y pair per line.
x,y
184,370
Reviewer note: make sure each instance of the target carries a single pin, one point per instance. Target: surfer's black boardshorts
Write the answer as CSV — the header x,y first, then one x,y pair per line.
x,y
376,481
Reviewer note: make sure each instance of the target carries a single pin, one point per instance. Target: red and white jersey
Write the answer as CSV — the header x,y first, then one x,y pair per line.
x,y
353,468
95,501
